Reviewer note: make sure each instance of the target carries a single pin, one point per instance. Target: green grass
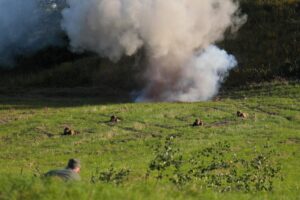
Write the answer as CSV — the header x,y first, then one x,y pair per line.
x,y
31,143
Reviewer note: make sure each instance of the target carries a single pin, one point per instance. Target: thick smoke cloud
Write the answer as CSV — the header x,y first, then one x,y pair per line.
x,y
27,26
177,36
198,80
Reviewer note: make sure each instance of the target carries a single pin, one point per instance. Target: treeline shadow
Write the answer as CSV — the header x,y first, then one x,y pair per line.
x,y
19,98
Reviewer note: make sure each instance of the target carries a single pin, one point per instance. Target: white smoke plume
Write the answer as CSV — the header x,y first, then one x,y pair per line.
x,y
27,26
177,35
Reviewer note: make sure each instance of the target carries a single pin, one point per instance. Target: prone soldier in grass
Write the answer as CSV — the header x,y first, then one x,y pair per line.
x,y
70,173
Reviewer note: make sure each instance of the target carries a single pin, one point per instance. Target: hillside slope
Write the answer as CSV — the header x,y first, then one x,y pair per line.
x,y
151,152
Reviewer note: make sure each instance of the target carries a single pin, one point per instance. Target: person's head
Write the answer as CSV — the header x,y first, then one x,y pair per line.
x,y
74,165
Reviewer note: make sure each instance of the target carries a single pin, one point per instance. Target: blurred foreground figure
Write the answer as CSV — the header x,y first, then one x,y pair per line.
x,y
70,173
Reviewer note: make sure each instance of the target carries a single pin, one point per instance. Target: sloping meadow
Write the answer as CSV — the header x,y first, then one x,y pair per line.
x,y
154,152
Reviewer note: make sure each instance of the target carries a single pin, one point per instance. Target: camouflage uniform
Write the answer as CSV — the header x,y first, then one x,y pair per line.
x,y
67,174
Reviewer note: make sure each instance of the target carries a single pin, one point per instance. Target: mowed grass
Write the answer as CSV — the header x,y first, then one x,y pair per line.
x,y
31,143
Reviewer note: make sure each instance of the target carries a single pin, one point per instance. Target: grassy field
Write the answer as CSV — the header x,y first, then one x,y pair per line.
x,y
154,152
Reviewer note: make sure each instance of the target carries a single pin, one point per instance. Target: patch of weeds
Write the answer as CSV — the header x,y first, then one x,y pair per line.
x,y
165,156
167,162
233,173
36,172
216,167
111,175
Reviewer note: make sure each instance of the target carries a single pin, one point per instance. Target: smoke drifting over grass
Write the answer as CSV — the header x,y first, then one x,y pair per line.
x,y
198,80
27,26
177,35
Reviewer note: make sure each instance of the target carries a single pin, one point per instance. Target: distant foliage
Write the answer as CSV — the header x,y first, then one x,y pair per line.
x,y
266,47
272,2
